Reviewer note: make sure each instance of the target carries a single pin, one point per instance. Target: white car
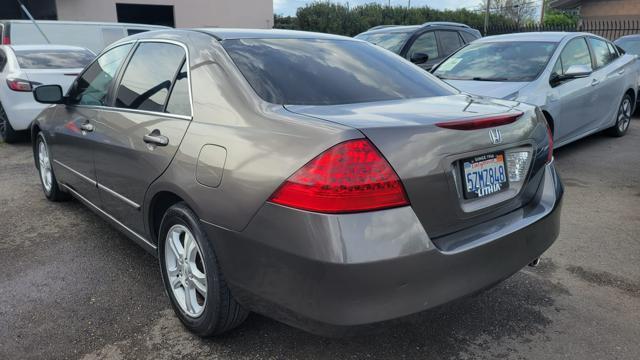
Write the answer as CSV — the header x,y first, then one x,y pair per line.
x,y
22,68
582,82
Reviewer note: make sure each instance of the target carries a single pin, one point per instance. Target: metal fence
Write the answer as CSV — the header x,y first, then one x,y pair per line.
x,y
607,29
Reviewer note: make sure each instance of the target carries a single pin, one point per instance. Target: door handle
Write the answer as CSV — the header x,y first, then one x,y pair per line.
x,y
87,127
621,71
595,82
156,138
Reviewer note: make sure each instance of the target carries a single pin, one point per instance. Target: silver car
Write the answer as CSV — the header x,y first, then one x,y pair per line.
x,y
316,179
582,82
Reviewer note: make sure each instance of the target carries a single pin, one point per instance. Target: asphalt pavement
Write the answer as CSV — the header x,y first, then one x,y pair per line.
x,y
74,287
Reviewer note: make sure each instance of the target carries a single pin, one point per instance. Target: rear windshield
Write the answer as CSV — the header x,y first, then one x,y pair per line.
x,y
328,72
53,59
392,41
497,61
630,46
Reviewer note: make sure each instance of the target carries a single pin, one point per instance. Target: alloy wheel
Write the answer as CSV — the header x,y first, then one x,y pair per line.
x,y
624,115
185,270
45,166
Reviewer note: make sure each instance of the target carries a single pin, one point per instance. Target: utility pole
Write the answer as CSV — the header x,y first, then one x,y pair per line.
x,y
542,13
486,17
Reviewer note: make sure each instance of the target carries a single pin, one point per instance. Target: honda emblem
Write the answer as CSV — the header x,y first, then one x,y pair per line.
x,y
495,136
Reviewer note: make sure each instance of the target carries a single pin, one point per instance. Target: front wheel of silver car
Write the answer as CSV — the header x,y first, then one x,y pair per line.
x,y
48,180
192,276
623,117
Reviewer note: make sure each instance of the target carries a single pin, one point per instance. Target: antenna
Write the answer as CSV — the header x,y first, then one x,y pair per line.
x,y
24,8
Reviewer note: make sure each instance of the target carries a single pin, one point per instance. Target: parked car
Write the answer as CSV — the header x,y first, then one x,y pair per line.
x,y
426,44
582,83
378,192
630,44
22,67
91,35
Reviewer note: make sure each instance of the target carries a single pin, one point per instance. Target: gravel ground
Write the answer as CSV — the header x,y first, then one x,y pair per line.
x,y
73,287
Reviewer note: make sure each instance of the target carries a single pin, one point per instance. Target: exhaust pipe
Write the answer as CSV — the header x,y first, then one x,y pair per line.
x,y
535,262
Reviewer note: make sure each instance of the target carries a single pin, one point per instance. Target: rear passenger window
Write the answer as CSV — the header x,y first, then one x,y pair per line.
x,y
467,37
449,41
179,103
148,78
612,51
601,52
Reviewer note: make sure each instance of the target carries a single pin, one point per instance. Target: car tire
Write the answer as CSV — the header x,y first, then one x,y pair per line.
x,y
183,271
50,185
623,117
7,133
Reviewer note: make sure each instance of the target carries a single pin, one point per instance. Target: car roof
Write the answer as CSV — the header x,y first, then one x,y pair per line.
x,y
547,36
393,28
229,34
629,37
46,47
83,23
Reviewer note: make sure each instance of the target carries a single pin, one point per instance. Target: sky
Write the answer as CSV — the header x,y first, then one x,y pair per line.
x,y
288,7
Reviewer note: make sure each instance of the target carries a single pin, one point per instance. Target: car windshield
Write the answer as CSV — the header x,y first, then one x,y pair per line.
x,y
328,72
497,61
53,59
392,41
630,46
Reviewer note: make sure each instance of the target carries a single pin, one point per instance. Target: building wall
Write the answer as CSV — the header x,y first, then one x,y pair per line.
x,y
187,13
610,9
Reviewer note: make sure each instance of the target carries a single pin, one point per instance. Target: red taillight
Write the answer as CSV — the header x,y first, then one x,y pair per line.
x,y
349,177
6,40
19,85
550,151
480,123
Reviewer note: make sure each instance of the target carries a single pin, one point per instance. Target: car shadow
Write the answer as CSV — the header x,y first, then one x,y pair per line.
x,y
514,309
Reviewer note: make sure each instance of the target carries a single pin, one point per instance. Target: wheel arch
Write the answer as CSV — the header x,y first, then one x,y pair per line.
x,y
550,121
35,129
634,100
158,206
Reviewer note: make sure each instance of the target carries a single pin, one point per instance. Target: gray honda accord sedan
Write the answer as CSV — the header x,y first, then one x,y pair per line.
x,y
316,179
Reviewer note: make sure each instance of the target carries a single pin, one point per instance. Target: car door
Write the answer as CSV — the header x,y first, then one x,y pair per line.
x,y
573,98
73,138
608,84
425,43
141,132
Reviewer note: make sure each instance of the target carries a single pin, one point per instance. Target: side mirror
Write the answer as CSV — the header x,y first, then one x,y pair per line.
x,y
577,71
49,94
419,58
573,72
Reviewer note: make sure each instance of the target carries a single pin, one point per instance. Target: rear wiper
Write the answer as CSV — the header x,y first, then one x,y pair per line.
x,y
489,79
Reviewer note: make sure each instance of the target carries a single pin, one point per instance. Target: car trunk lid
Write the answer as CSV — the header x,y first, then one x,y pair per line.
x,y
62,77
427,157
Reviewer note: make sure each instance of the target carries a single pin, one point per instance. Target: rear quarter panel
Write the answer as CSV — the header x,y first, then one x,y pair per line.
x,y
264,143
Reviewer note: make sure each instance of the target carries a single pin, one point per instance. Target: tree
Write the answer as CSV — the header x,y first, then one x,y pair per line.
x,y
555,18
519,11
338,19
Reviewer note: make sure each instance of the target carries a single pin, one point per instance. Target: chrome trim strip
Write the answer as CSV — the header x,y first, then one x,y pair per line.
x,y
91,181
100,186
117,195
133,111
138,236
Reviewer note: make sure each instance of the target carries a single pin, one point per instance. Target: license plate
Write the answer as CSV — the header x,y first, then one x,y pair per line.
x,y
484,175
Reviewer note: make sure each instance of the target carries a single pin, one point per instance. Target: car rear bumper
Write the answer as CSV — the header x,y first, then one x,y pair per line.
x,y
21,113
330,273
